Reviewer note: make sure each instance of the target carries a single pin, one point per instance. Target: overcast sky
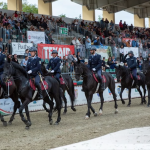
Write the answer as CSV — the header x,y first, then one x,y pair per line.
x,y
73,10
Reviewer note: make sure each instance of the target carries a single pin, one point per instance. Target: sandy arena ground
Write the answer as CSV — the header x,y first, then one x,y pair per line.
x,y
73,127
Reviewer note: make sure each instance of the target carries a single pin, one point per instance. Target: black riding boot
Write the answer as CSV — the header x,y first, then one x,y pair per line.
x,y
5,95
102,87
39,91
136,83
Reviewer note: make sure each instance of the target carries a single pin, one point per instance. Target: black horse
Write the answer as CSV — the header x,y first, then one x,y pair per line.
x,y
14,96
146,71
25,91
123,73
68,86
90,86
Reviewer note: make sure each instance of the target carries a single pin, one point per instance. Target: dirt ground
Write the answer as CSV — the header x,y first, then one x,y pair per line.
x,y
73,127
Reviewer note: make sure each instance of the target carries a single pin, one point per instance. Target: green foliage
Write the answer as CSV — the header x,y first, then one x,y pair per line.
x,y
62,15
109,51
26,7
3,5
78,17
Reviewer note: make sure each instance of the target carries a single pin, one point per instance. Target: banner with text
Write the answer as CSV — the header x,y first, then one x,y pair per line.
x,y
36,37
45,50
19,48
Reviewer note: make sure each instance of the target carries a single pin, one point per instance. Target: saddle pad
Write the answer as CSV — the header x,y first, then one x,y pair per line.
x,y
62,80
42,87
9,83
103,77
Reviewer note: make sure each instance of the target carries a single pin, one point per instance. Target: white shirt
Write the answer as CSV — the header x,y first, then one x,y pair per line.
x,y
74,42
78,43
121,50
140,45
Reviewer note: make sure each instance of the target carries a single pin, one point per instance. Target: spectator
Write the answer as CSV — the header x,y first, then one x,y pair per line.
x,y
109,62
15,59
70,57
64,60
131,28
87,45
103,64
121,25
140,62
24,61
121,53
27,53
128,43
140,47
52,42
135,43
97,41
74,56
71,69
78,56
65,68
112,24
124,25
44,24
6,51
78,45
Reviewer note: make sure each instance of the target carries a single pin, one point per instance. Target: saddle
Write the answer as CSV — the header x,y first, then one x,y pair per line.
x,y
60,78
97,78
32,84
138,76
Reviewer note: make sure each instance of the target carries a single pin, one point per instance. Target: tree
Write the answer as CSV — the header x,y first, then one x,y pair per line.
x,y
62,15
26,7
3,5
99,18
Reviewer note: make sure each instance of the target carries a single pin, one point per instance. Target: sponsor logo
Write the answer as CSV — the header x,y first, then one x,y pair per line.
x,y
4,113
34,102
109,92
118,90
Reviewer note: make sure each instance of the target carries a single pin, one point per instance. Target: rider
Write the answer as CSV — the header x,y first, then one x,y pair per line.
x,y
33,67
131,62
2,61
95,64
54,64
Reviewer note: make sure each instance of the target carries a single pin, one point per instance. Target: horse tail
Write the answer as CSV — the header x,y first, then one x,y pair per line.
x,y
73,90
60,96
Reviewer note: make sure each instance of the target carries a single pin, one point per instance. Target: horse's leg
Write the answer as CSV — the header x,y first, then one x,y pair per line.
x,y
148,88
44,106
144,91
65,101
3,121
122,89
16,105
72,97
139,90
27,114
102,101
129,96
89,97
23,106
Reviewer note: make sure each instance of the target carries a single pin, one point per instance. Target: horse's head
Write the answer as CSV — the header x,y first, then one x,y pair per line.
x,y
8,71
146,67
120,71
78,69
43,69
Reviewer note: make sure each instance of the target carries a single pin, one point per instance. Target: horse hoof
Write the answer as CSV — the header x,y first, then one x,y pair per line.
x,y
116,111
27,127
145,102
56,123
86,117
51,122
100,112
28,123
64,113
73,109
9,123
95,114
128,105
5,124
123,102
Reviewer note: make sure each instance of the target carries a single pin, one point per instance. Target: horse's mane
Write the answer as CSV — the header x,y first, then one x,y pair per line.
x,y
20,68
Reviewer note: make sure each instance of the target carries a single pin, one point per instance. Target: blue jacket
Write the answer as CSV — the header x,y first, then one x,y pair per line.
x,y
95,62
135,44
131,62
54,64
34,65
2,61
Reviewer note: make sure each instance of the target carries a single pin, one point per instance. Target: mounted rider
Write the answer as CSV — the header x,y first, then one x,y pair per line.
x,y
132,65
54,64
95,64
33,67
2,61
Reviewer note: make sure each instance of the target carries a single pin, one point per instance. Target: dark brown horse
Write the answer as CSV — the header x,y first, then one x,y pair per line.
x,y
90,86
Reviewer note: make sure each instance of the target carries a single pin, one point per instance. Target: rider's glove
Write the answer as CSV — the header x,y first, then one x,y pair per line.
x,y
47,69
30,71
52,71
94,69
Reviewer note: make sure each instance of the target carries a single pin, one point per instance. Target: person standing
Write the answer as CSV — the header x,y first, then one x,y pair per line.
x,y
24,61
87,45
2,61
33,68
121,53
54,64
15,59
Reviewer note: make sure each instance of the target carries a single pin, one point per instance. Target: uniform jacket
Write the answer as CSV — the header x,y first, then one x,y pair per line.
x,y
2,61
34,65
95,62
131,62
54,64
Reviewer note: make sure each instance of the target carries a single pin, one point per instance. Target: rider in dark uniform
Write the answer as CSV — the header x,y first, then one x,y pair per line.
x,y
131,62
33,67
95,64
2,61
54,64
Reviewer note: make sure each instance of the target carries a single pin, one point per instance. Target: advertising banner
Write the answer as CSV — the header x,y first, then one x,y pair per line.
x,y
6,105
45,50
63,31
134,49
19,48
104,51
36,37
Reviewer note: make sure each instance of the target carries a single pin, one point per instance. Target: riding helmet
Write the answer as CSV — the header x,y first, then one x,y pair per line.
x,y
32,49
93,48
54,52
130,52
